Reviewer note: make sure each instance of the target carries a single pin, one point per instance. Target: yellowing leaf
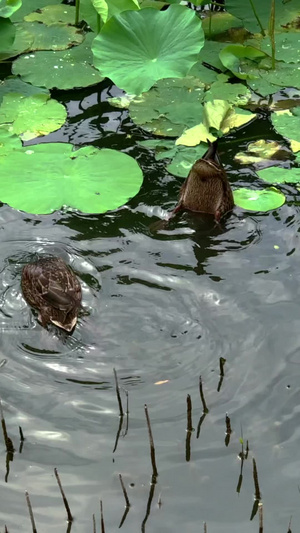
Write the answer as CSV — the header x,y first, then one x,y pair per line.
x,y
195,135
215,112
295,145
235,118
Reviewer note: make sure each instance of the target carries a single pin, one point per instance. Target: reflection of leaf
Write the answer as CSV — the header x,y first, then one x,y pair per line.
x,y
45,177
137,48
233,53
280,175
258,151
32,116
64,69
259,200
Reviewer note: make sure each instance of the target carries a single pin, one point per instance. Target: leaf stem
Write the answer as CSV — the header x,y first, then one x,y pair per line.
x,y
77,5
257,18
98,23
272,32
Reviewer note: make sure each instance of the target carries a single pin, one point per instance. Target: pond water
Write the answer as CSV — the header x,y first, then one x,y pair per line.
x,y
158,307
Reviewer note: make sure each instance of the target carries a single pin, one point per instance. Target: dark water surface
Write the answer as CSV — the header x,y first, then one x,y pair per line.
x,y
157,307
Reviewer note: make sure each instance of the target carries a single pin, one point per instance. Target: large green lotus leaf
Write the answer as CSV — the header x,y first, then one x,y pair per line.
x,y
259,200
287,46
64,69
22,42
285,12
31,5
220,23
280,175
288,125
114,7
204,74
53,14
41,179
231,55
137,48
155,109
89,14
8,7
259,151
285,75
32,116
210,54
15,85
262,86
54,37
8,141
233,93
184,159
7,36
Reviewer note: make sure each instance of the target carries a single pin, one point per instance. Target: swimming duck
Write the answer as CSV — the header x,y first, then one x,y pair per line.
x,y
50,286
207,189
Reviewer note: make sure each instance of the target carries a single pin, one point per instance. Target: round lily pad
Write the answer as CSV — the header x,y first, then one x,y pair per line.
x,y
54,37
41,179
8,7
53,14
287,46
31,5
259,200
65,69
280,175
15,85
32,116
233,53
287,123
8,141
137,48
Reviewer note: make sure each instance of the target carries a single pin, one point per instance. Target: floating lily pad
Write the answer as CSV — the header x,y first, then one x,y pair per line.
x,y
184,159
22,42
232,54
114,7
258,200
137,48
41,179
206,75
233,93
8,7
31,5
7,36
53,37
32,116
285,12
8,141
287,123
53,14
15,85
259,151
220,23
280,175
155,110
64,69
210,54
287,46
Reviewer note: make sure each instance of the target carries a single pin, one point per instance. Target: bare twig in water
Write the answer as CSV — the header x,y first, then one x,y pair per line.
x,y
94,524
205,409
242,457
205,527
102,518
149,503
247,450
127,413
222,362
261,518
124,491
6,530
69,514
228,430
118,394
121,419
152,448
290,525
34,530
22,439
8,442
257,491
189,428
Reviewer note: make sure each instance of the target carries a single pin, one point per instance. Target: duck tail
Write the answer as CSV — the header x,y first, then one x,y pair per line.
x,y
212,151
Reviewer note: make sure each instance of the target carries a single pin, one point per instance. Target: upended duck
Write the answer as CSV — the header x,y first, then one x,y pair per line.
x,y
51,287
207,189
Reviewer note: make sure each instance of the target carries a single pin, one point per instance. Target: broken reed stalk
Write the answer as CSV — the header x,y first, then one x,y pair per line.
x,y
118,394
255,479
124,491
222,362
8,442
228,430
94,524
204,406
34,530
102,518
152,449
69,514
261,518
189,413
21,434
272,32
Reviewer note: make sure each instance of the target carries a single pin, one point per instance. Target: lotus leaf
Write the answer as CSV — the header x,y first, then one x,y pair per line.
x,y
15,85
54,37
287,46
258,200
231,55
285,12
109,8
7,36
22,42
53,14
259,151
32,116
8,7
233,93
41,179
206,75
8,141
280,175
235,118
155,112
220,23
31,5
195,135
184,159
287,123
137,48
64,69
210,54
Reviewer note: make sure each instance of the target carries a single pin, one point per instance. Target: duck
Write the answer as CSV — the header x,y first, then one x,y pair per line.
x,y
207,189
50,286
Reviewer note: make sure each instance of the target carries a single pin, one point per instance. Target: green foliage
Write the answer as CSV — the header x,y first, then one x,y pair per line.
x,y
287,123
7,36
280,175
43,178
137,48
28,6
8,7
15,85
52,37
32,116
285,12
64,69
53,14
232,55
287,46
259,200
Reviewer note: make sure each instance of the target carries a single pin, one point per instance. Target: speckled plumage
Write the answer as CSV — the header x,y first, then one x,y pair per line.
x,y
207,189
50,286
